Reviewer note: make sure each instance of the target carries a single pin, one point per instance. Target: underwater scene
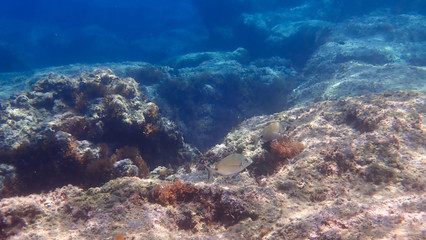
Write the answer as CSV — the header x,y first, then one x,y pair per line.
x,y
212,119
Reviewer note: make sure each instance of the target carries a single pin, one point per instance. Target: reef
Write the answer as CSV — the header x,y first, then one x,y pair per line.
x,y
205,94
365,54
76,129
211,92
356,170
110,150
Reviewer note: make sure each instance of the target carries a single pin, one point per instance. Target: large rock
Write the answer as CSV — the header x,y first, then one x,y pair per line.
x,y
72,129
373,53
361,174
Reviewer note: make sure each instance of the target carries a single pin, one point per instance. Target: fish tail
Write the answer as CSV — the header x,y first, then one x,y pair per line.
x,y
209,172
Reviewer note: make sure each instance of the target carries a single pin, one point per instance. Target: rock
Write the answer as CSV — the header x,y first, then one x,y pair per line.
x,y
7,173
208,93
125,168
18,213
72,129
361,174
366,54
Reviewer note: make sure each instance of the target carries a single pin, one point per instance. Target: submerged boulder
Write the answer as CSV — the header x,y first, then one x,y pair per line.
x,y
367,54
72,129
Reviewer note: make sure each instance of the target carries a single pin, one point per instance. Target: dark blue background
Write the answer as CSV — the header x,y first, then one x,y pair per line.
x,y
39,33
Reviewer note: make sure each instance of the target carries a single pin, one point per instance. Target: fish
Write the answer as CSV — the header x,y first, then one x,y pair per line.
x,y
230,165
271,132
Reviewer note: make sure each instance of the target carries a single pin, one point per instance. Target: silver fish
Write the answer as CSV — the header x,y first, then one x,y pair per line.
x,y
230,165
272,132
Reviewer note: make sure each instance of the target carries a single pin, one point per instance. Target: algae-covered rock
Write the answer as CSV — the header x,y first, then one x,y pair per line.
x,y
72,129
365,137
360,175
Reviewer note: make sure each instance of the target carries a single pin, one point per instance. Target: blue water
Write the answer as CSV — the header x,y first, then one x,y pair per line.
x,y
41,33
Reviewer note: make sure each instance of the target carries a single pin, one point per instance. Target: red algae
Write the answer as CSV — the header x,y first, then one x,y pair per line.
x,y
286,148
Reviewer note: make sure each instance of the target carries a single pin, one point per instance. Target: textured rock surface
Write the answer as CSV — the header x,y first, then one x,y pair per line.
x,y
373,53
360,176
209,93
205,94
72,129
378,138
